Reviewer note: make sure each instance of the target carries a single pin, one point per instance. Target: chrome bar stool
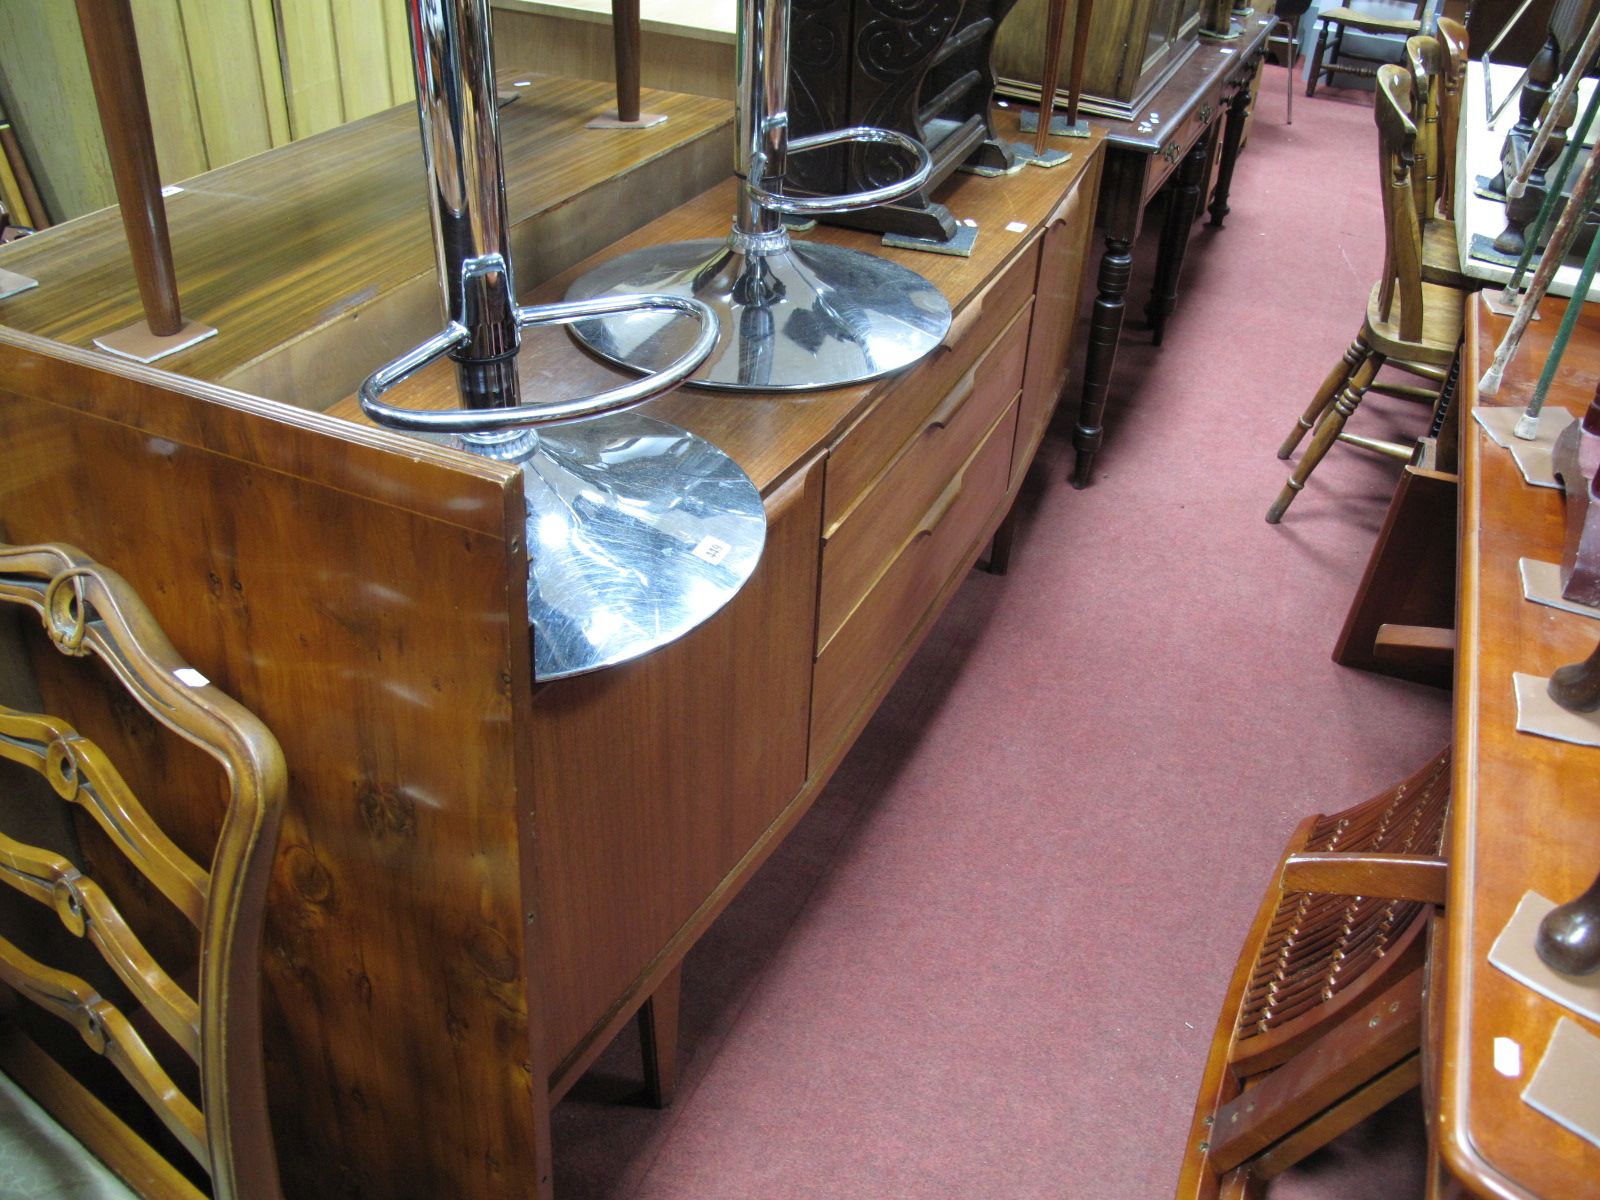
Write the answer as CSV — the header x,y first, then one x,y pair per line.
x,y
637,530
794,315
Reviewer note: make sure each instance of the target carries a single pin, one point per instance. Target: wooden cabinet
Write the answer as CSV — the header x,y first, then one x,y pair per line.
x,y
1134,47
481,879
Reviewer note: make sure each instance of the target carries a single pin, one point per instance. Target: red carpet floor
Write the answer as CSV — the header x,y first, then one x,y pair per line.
x,y
988,963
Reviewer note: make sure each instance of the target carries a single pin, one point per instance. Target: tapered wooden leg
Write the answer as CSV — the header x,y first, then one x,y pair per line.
x,y
1105,330
1316,59
1336,379
658,1038
625,39
1327,433
1000,548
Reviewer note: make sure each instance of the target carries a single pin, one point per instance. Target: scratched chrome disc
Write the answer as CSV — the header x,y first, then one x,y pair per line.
x,y
638,532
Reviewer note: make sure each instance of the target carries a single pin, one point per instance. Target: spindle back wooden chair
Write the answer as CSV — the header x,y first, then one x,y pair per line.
x,y
1322,1023
1452,38
1438,69
1409,320
1329,60
137,1016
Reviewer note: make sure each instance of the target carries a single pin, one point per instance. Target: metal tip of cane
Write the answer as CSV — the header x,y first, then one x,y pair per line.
x,y
1527,426
1505,304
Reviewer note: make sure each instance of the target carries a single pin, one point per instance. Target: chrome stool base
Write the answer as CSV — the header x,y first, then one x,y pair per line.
x,y
799,318
637,532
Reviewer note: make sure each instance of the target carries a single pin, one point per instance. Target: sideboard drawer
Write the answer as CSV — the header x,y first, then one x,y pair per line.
x,y
849,670
877,437
863,545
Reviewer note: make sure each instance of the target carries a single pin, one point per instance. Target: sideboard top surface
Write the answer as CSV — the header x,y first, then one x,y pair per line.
x,y
276,247
771,434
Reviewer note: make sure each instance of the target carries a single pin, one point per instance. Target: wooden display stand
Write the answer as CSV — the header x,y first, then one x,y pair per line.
x,y
481,881
1135,46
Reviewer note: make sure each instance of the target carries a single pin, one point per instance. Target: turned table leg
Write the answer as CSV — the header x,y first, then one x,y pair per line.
x,y
1232,135
1181,212
1105,329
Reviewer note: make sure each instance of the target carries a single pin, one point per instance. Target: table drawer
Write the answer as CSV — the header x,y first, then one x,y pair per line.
x,y
850,669
867,448
1181,140
863,544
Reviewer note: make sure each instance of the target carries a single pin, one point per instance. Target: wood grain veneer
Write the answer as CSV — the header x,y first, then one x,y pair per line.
x,y
864,543
774,437
481,881
1069,231
316,263
950,530
711,732
770,435
1523,814
265,544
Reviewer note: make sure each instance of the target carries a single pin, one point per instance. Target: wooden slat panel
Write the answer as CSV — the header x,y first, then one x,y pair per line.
x,y
310,66
50,98
361,34
90,1121
226,72
397,41
269,68
169,85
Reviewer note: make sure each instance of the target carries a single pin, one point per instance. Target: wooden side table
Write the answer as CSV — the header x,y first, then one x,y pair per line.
x,y
1176,136
1523,813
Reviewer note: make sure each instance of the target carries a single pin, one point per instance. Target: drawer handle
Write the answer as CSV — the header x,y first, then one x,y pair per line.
x,y
942,506
1063,211
1170,151
957,397
1205,113
963,324
970,315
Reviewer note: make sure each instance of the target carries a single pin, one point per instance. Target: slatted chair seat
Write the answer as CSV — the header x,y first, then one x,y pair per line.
x,y
1321,1025
1408,321
191,1053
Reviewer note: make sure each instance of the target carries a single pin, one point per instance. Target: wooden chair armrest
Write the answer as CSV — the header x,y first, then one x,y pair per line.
x,y
1422,877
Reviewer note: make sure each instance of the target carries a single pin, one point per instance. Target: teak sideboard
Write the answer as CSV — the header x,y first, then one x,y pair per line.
x,y
480,878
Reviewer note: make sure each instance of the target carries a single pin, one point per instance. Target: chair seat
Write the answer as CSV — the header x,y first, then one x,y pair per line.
x,y
1371,22
1441,261
1441,327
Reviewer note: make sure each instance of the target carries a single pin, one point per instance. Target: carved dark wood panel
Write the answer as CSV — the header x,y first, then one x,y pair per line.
x,y
919,67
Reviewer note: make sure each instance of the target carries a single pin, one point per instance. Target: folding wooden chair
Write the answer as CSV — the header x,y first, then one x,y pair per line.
x,y
1323,1018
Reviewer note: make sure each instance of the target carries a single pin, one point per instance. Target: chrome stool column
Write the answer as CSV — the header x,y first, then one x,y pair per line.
x,y
794,315
637,530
